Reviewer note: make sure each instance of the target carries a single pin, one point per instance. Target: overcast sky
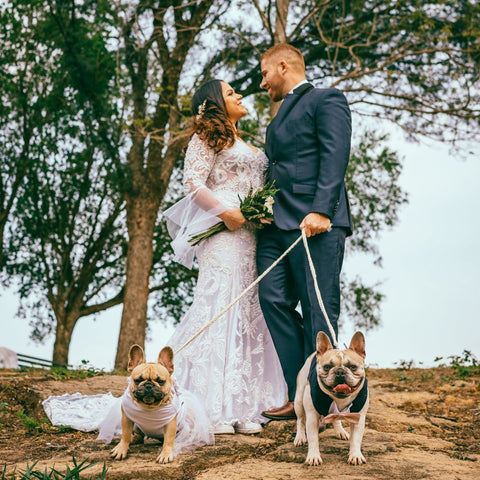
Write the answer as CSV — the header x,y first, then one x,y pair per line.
x,y
430,275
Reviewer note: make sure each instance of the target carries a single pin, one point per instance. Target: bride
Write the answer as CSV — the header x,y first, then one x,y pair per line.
x,y
232,365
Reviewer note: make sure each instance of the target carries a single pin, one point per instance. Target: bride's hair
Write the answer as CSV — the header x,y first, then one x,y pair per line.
x,y
210,120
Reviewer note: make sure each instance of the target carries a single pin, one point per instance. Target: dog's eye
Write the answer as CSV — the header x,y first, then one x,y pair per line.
x,y
327,367
138,380
353,368
160,381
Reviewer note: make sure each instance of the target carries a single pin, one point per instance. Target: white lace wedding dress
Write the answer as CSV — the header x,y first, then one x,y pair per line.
x,y
233,365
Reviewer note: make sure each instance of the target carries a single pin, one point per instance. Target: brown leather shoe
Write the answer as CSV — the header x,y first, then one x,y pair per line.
x,y
286,412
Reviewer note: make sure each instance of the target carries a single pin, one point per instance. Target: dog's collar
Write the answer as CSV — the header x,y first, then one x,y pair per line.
x,y
322,402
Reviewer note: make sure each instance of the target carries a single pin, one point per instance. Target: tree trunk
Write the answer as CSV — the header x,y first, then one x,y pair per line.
x,y
141,218
63,337
280,36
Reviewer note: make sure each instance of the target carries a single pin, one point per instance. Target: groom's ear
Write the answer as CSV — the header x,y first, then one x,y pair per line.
x,y
283,67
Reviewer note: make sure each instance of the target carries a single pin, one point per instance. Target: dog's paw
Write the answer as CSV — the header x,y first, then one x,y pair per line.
x,y
314,459
166,456
339,431
300,439
356,459
342,434
119,452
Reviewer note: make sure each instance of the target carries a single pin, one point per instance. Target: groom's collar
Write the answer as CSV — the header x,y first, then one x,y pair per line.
x,y
296,89
290,101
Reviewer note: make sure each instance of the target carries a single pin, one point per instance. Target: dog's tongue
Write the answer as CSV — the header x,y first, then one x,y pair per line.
x,y
342,388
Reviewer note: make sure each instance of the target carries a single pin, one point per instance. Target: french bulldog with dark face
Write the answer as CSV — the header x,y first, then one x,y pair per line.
x,y
331,386
149,403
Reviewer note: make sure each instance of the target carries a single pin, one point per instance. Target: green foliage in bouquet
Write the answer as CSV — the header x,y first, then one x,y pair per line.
x,y
255,207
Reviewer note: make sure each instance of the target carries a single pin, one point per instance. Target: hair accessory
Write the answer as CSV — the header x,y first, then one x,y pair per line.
x,y
201,110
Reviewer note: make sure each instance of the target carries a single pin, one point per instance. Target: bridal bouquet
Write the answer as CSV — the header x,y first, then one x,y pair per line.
x,y
255,207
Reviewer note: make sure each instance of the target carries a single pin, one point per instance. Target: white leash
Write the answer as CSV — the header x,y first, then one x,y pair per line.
x,y
317,290
255,282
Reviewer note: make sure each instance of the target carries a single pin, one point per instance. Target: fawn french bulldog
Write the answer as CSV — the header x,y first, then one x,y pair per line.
x,y
331,386
149,404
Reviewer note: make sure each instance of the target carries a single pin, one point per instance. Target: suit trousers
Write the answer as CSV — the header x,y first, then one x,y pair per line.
x,y
289,284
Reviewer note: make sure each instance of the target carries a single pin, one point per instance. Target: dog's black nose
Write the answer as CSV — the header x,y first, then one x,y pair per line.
x,y
340,374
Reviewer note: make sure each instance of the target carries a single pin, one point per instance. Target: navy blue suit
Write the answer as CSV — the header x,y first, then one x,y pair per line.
x,y
308,147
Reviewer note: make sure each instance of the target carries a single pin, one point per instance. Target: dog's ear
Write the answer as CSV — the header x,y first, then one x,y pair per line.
x,y
357,344
135,357
323,343
165,357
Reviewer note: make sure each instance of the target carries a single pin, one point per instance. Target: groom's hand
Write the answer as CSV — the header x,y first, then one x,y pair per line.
x,y
315,223
233,219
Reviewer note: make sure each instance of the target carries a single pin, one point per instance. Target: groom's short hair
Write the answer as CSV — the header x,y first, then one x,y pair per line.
x,y
287,52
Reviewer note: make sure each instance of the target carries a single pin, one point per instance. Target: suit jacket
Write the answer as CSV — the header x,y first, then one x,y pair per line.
x,y
308,147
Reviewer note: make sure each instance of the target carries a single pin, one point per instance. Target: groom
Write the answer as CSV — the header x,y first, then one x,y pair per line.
x,y
308,147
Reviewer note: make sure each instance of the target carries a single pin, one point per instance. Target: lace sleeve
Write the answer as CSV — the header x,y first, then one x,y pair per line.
x,y
199,160
199,209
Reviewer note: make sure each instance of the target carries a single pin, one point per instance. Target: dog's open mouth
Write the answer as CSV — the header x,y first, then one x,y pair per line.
x,y
342,390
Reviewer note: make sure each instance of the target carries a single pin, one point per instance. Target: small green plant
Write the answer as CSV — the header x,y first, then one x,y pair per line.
x,y
31,473
86,365
411,428
405,365
464,365
86,370
439,359
63,429
425,377
31,424
399,375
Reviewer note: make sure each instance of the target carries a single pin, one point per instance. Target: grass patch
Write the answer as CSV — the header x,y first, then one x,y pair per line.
x,y
31,473
32,424
86,370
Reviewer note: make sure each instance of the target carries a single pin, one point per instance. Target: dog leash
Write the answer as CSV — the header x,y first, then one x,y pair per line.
x,y
317,290
259,278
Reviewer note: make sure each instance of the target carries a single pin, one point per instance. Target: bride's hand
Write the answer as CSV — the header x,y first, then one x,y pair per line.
x,y
233,219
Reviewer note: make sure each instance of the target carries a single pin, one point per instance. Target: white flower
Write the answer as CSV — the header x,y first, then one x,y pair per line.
x,y
269,201
201,110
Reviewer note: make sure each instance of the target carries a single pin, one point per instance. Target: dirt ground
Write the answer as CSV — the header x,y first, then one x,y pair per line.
x,y
422,424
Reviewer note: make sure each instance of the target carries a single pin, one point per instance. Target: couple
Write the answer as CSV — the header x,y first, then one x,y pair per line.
x,y
239,367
